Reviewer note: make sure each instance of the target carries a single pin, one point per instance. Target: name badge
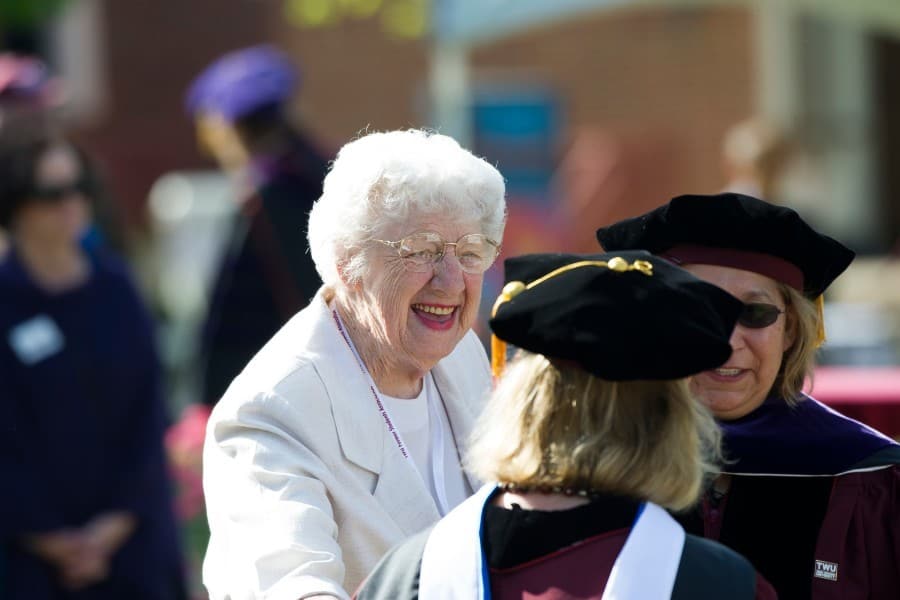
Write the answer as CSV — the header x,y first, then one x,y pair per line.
x,y
826,570
36,339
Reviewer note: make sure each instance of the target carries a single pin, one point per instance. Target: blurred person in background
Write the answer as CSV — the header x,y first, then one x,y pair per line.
x,y
29,94
26,93
810,496
240,108
87,511
589,436
340,438
602,179
755,154
32,99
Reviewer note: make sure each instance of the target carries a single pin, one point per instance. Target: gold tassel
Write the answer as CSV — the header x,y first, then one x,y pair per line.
x,y
498,356
820,313
498,346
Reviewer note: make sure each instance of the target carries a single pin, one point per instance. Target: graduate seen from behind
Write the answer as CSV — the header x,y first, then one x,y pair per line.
x,y
339,439
810,496
590,436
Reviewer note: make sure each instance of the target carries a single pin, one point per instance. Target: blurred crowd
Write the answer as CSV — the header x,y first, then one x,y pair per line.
x,y
96,341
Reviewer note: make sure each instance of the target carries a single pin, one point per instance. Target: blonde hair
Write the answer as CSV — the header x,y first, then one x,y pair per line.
x,y
802,323
558,425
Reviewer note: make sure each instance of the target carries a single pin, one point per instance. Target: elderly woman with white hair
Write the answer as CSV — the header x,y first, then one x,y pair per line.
x,y
339,439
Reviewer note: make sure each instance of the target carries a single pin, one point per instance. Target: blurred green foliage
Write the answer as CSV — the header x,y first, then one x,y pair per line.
x,y
26,13
403,19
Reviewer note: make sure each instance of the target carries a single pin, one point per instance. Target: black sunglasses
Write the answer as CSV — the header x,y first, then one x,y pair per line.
x,y
757,315
55,193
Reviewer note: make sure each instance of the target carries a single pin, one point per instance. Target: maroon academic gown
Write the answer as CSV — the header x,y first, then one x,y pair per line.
x,y
813,502
568,555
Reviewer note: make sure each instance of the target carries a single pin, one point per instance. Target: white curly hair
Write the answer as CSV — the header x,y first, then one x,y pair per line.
x,y
382,179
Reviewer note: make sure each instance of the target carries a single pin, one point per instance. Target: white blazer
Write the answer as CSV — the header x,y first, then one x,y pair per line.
x,y
305,487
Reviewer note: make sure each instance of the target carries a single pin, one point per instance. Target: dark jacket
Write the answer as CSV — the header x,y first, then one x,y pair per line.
x,y
267,273
81,428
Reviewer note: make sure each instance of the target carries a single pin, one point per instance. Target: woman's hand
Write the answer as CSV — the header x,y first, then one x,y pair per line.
x,y
106,532
81,556
73,556
56,547
102,537
91,567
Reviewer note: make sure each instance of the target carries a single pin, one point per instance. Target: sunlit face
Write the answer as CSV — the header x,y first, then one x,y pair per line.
x,y
744,381
57,211
419,317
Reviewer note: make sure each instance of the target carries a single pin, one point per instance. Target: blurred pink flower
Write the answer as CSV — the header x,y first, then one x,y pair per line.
x,y
184,446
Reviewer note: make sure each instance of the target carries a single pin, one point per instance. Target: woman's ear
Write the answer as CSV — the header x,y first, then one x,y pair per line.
x,y
345,274
341,267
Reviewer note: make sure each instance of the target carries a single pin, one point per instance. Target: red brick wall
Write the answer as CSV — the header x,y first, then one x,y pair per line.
x,y
354,76
664,83
153,49
652,90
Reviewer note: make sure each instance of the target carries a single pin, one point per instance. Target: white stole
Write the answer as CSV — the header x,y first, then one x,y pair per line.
x,y
454,568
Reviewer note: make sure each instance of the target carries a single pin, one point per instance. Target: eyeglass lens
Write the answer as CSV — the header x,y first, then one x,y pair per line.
x,y
757,315
473,251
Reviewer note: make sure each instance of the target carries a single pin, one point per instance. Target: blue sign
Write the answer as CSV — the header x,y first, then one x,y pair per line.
x,y
516,128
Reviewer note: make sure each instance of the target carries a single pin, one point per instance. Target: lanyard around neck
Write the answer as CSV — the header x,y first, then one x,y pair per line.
x,y
436,427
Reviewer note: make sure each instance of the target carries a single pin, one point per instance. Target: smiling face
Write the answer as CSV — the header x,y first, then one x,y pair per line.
x,y
412,319
743,382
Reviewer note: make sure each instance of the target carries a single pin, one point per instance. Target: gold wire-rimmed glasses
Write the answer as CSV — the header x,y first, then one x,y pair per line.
x,y
423,250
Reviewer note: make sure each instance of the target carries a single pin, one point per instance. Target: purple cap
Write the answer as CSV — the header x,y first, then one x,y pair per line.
x,y
242,81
